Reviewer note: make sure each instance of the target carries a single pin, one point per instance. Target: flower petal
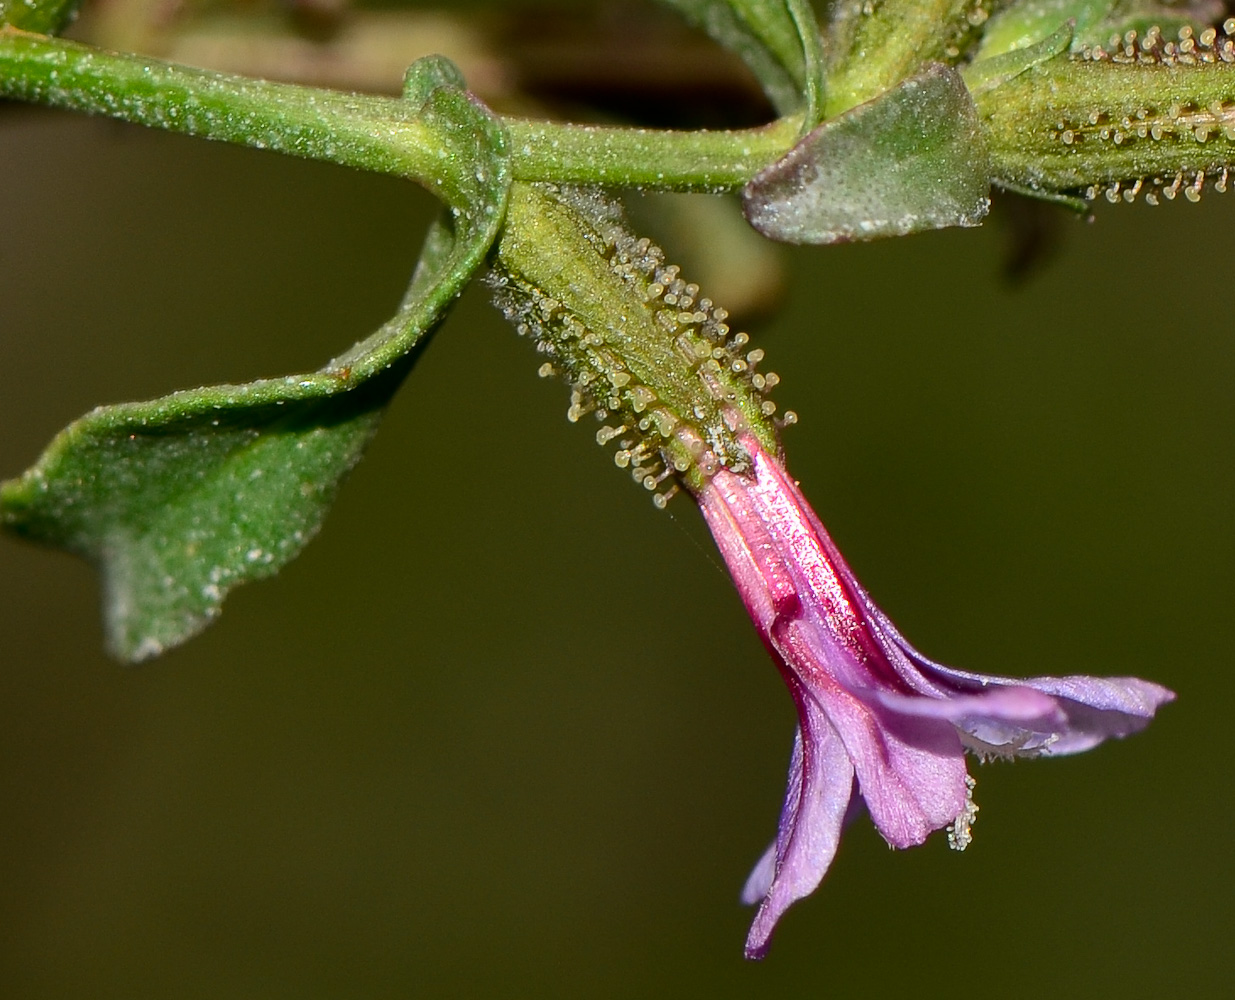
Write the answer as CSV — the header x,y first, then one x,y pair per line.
x,y
1010,704
1091,709
910,770
820,789
760,879
1100,707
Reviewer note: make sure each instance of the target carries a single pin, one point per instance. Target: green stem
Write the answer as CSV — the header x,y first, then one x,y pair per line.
x,y
382,134
680,161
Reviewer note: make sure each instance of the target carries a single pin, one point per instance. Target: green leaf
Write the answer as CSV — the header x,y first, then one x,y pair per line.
x,y
180,499
873,45
43,16
987,73
908,161
1027,23
778,39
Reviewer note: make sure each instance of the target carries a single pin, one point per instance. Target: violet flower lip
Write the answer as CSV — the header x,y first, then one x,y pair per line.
x,y
879,724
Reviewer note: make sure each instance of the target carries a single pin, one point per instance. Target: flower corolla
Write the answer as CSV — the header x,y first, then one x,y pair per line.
x,y
879,724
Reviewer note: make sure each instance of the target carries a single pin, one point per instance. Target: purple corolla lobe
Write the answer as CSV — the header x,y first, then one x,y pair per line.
x,y
879,724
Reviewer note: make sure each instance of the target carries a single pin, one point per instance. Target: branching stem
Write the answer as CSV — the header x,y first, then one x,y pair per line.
x,y
382,134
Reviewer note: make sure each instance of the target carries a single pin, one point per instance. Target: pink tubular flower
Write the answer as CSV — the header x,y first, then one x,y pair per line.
x,y
876,719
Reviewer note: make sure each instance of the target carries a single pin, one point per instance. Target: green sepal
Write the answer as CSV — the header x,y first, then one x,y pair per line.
x,y
1084,125
638,344
778,39
180,499
45,17
908,161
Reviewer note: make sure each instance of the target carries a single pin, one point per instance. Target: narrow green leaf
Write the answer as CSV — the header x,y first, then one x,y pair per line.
x,y
180,499
1070,202
778,39
1023,24
908,161
988,73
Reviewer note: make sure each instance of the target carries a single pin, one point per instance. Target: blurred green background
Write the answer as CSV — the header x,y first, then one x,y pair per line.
x,y
504,729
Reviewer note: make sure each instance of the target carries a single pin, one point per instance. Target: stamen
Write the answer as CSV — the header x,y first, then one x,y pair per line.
x,y
960,833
